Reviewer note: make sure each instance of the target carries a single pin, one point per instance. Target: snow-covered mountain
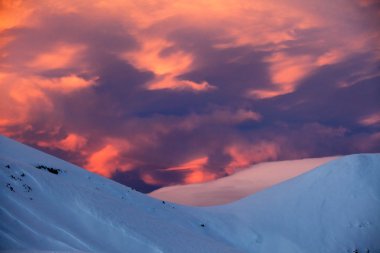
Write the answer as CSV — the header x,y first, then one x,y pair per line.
x,y
238,185
49,204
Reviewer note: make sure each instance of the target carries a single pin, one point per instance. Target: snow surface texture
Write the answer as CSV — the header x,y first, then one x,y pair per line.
x,y
334,208
238,185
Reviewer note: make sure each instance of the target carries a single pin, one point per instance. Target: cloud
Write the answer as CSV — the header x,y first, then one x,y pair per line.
x,y
103,160
373,119
72,142
166,67
245,154
167,82
178,92
195,170
60,57
106,160
13,13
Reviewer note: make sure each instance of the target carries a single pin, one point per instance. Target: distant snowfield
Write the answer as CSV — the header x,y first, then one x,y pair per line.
x,y
238,185
50,205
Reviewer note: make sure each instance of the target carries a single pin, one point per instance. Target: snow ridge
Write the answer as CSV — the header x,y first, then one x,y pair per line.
x,y
241,184
333,208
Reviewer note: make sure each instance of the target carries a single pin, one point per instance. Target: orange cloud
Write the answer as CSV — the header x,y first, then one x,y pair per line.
x,y
22,87
271,27
168,82
107,160
370,120
330,57
21,95
196,172
245,154
265,25
14,13
262,93
256,23
286,71
65,84
72,142
167,67
147,178
149,58
103,161
61,56
18,95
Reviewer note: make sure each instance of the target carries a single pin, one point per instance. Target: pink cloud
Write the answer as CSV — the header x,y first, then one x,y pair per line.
x,y
62,56
72,142
116,91
372,119
195,171
245,154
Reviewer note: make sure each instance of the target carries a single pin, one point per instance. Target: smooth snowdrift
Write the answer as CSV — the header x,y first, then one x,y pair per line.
x,y
238,185
58,206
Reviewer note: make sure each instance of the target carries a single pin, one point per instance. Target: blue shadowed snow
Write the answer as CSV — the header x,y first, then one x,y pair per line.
x,y
333,208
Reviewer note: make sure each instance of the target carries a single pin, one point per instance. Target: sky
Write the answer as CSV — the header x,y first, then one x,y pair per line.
x,y
157,93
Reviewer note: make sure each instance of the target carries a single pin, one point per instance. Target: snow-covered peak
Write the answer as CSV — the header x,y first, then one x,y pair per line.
x,y
333,208
241,184
78,210
49,204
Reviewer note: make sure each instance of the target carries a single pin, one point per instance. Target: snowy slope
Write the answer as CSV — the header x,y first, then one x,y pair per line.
x,y
238,185
334,208
78,210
